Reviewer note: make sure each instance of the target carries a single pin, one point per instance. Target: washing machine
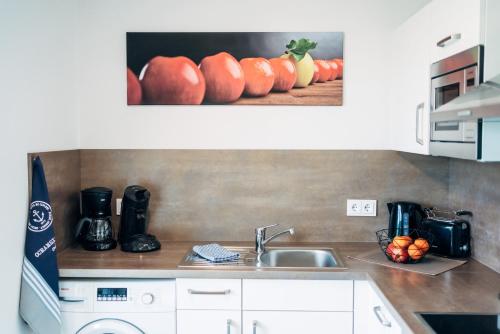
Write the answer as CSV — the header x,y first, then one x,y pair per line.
x,y
117,306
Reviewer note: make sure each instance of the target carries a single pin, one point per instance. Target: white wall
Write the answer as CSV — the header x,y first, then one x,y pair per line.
x,y
59,54
37,111
106,121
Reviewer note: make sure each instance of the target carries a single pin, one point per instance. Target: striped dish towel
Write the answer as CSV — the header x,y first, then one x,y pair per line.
x,y
215,253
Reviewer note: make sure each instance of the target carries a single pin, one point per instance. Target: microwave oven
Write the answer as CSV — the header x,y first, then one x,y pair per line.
x,y
456,135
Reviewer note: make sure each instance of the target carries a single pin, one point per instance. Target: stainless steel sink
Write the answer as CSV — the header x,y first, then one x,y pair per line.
x,y
272,258
298,258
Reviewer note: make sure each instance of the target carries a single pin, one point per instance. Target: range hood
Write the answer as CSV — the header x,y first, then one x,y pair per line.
x,y
480,102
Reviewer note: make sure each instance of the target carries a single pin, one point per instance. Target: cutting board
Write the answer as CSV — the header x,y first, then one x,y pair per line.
x,y
430,265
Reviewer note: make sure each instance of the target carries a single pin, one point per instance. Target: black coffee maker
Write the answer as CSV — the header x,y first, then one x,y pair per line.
x,y
94,230
404,216
134,222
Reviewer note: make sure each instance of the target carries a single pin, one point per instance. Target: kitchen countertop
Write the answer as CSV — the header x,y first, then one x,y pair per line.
x,y
472,287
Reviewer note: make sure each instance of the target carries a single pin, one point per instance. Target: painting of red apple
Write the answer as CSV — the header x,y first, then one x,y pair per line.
x,y
235,68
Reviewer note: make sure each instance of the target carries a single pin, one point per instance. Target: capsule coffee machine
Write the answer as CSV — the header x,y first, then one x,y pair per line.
x,y
134,222
94,230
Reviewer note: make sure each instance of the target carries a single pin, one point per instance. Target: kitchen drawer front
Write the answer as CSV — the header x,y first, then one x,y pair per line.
x,y
208,322
209,294
293,322
298,295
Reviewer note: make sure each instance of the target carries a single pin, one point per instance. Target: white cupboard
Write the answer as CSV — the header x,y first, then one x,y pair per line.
x,y
209,306
296,322
492,40
297,306
274,306
409,88
208,322
371,315
456,25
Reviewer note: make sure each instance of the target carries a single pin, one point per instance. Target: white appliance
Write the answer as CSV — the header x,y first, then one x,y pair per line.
x,y
117,306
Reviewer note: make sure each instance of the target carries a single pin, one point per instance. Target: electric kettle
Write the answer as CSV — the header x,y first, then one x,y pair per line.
x,y
404,216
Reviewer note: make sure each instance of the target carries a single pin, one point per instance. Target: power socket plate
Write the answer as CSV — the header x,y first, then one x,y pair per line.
x,y
361,207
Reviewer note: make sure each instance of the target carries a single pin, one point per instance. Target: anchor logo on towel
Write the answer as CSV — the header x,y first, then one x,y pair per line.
x,y
38,219
40,216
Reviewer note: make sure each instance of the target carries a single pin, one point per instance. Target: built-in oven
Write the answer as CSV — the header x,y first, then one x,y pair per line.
x,y
451,78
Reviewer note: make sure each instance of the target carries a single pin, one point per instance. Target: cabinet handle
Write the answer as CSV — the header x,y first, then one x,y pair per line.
x,y
72,300
199,292
381,317
448,39
254,327
228,326
419,125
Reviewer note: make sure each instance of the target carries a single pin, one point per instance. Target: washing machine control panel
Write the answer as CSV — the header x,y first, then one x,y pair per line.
x,y
112,294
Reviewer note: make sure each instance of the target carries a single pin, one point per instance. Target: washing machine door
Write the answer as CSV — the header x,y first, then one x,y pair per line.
x,y
109,326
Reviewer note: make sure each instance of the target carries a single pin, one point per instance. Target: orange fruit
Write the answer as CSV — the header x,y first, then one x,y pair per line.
x,y
325,71
422,244
340,64
402,241
134,90
335,70
415,252
224,78
172,80
285,74
259,76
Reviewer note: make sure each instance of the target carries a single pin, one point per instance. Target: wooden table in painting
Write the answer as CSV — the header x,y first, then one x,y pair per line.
x,y
328,93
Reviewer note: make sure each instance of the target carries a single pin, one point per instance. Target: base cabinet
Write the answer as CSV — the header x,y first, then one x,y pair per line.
x,y
371,315
296,322
267,306
208,322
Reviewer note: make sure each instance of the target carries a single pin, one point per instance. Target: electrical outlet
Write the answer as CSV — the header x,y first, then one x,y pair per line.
x,y
361,207
118,206
354,207
369,207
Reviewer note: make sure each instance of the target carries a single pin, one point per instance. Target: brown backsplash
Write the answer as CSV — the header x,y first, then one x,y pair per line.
x,y
223,195
476,187
62,172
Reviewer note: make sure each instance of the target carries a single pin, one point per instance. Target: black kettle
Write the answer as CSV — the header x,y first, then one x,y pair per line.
x,y
404,216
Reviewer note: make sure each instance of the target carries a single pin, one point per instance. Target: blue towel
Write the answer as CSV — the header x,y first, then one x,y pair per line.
x,y
215,253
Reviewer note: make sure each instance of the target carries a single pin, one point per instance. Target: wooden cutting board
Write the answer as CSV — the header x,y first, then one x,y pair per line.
x,y
430,265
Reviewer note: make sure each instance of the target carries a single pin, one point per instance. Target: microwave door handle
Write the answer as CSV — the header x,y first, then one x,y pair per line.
x,y
419,131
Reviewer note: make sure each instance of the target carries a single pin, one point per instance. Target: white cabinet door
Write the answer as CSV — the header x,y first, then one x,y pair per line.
x,y
208,322
492,44
294,322
409,89
370,313
450,18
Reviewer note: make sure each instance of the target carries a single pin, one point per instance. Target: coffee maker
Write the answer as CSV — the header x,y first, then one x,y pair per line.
x,y
94,230
403,217
134,222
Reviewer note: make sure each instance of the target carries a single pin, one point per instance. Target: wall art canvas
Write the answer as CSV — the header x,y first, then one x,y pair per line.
x,y
242,68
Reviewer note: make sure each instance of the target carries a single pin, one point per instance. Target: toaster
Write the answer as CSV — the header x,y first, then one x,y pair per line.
x,y
451,232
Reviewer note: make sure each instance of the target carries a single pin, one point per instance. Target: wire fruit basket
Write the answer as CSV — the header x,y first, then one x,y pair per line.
x,y
408,249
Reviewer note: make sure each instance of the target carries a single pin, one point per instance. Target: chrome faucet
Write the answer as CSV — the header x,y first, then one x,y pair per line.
x,y
260,237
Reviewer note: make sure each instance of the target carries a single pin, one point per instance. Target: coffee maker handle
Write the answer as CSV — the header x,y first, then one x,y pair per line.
x,y
79,226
